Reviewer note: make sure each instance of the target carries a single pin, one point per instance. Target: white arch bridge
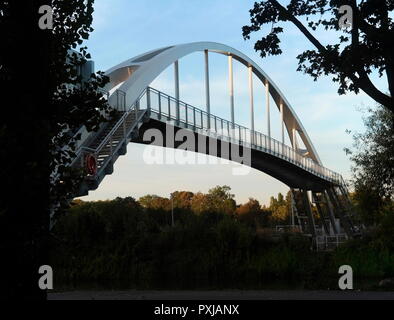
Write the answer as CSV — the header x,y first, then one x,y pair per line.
x,y
141,107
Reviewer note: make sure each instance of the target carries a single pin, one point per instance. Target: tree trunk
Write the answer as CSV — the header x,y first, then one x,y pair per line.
x,y
24,137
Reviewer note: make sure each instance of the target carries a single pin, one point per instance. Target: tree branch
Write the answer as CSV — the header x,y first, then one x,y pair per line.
x,y
368,87
299,25
382,35
363,81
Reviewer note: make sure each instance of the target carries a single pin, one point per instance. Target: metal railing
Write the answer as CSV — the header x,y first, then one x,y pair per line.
x,y
105,95
173,109
288,228
109,138
326,242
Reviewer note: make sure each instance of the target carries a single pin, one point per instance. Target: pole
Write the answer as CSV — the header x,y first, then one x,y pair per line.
x,y
282,122
207,99
267,103
176,77
231,87
251,105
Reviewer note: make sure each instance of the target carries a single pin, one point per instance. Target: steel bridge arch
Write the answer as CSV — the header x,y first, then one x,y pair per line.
x,y
134,75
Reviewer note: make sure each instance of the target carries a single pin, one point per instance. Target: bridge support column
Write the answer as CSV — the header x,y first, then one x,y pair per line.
x,y
207,97
176,77
307,206
251,105
317,199
331,213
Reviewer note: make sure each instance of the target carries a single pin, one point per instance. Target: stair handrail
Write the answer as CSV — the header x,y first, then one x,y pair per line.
x,y
82,149
119,123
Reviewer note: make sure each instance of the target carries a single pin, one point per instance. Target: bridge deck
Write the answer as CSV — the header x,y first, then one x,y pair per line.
x,y
267,154
280,168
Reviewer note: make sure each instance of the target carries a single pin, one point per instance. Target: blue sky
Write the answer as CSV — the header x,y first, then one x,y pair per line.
x,y
125,28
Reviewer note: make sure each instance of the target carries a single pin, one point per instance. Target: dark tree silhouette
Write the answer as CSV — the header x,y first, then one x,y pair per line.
x,y
365,48
45,97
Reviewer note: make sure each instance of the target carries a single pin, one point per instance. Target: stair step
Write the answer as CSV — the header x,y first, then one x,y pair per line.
x,y
105,151
117,136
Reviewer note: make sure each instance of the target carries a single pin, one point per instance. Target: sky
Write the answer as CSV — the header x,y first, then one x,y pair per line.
x,y
125,28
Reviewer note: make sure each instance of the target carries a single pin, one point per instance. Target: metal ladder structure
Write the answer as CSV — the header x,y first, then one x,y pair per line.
x,y
333,212
108,144
303,212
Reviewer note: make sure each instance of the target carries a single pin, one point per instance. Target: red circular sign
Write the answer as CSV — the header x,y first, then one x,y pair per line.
x,y
91,165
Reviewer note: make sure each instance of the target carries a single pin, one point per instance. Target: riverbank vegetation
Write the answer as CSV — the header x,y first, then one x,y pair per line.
x,y
213,243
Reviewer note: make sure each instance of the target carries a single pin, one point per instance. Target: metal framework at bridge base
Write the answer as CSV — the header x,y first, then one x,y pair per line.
x,y
325,216
328,243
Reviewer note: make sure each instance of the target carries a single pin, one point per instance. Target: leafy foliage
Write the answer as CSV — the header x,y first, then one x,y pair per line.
x,y
364,48
252,213
373,154
280,208
75,101
127,244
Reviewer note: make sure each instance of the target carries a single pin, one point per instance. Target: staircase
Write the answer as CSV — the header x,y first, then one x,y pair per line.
x,y
326,217
107,145
339,197
110,139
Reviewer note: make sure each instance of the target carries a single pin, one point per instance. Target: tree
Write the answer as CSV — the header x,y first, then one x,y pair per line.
x,y
46,100
373,154
368,204
199,204
365,47
250,212
77,102
219,200
152,201
182,199
279,208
